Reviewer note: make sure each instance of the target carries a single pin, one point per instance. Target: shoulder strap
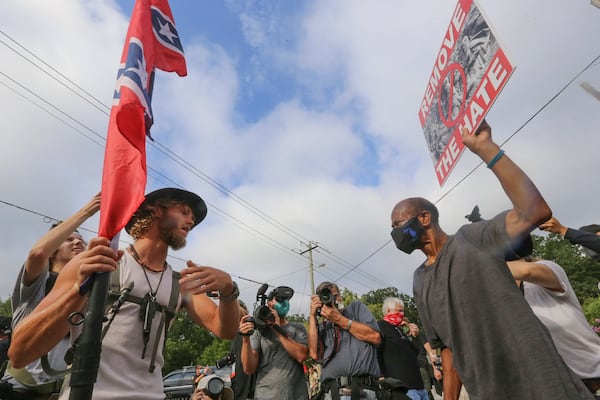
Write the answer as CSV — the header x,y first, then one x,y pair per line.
x,y
23,376
50,282
168,312
167,315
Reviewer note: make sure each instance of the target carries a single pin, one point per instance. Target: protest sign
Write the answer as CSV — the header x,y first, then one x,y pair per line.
x,y
469,72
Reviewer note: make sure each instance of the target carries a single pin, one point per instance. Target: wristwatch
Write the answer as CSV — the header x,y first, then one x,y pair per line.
x,y
233,296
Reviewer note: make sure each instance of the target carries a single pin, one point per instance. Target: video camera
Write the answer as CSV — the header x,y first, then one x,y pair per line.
x,y
262,315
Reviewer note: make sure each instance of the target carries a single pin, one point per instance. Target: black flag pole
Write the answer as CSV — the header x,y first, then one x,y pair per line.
x,y
86,360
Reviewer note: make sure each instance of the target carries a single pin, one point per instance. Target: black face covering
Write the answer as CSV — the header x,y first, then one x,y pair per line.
x,y
408,236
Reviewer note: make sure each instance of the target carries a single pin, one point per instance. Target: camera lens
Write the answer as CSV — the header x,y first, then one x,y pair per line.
x,y
326,296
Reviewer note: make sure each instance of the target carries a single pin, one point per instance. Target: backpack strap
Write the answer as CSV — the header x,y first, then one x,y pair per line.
x,y
50,282
168,312
167,316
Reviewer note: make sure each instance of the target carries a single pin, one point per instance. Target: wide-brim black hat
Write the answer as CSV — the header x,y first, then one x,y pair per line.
x,y
194,201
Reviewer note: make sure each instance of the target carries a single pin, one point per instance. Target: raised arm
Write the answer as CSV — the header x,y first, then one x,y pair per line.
x,y
222,320
313,327
536,273
554,226
358,329
249,357
39,254
529,207
39,332
298,351
586,239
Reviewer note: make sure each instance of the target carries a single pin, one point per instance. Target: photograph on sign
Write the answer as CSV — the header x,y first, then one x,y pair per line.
x,y
469,72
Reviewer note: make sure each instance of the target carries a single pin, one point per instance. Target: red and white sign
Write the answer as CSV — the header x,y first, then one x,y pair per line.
x,y
469,72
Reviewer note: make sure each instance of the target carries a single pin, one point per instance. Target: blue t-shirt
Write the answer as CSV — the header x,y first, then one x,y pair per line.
x,y
342,353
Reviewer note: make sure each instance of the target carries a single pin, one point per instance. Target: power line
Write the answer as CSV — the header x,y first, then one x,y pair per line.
x,y
167,152
158,146
49,219
57,72
161,148
535,114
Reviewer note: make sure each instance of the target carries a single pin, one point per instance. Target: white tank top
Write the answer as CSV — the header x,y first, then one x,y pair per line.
x,y
123,374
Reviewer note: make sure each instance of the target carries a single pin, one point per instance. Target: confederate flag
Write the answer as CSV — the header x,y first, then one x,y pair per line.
x,y
152,42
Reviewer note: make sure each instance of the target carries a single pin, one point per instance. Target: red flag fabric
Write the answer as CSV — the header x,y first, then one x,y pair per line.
x,y
152,41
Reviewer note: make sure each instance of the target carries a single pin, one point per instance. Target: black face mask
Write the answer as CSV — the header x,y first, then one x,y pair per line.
x,y
408,236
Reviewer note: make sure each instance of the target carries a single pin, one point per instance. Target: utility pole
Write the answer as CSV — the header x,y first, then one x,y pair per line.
x,y
311,246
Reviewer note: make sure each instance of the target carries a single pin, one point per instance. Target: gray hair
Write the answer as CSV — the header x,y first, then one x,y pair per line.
x,y
391,302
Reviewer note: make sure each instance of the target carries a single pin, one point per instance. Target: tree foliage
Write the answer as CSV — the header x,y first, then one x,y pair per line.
x,y
583,272
186,342
214,351
348,296
299,318
5,307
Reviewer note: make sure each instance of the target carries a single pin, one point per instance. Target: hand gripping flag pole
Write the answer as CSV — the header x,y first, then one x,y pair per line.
x,y
152,42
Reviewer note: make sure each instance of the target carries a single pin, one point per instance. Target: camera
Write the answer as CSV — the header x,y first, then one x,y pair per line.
x,y
327,298
226,360
262,315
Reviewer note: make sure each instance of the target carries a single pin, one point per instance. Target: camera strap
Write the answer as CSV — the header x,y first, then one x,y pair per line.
x,y
337,339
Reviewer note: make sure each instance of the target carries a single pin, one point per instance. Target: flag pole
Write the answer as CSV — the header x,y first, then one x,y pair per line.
x,y
86,360
152,41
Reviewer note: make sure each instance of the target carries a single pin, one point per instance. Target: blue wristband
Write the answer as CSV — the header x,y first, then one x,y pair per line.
x,y
494,160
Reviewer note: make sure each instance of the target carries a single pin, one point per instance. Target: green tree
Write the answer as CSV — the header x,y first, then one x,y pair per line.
x,y
5,307
378,295
348,296
300,318
216,350
186,342
410,308
583,272
591,309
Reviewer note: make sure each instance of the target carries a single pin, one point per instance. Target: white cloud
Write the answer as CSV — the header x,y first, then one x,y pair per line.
x,y
361,70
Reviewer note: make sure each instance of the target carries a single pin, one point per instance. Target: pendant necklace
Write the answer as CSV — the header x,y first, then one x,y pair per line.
x,y
148,307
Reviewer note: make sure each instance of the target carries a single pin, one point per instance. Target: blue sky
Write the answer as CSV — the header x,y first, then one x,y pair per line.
x,y
306,111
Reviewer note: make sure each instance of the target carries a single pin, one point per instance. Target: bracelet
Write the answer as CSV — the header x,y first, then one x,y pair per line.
x,y
230,297
349,325
494,160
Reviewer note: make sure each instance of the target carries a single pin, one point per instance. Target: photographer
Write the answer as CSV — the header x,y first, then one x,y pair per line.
x,y
345,345
275,349
211,387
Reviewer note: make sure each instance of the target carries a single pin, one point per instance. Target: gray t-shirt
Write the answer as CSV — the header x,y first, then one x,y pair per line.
x,y
278,375
469,302
24,300
342,354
